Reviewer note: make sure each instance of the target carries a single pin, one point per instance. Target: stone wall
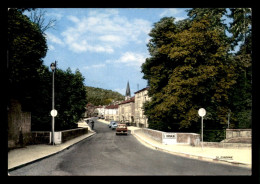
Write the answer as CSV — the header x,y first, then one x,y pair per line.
x,y
19,125
225,145
238,136
40,137
181,138
43,137
70,134
234,133
188,138
154,134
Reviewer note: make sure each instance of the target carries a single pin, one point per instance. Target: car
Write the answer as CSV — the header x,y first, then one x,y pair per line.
x,y
121,129
110,124
114,125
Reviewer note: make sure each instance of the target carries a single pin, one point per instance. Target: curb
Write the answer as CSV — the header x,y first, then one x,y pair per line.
x,y
47,156
198,157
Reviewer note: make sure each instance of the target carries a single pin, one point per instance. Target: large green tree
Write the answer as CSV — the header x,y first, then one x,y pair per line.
x,y
241,95
26,48
191,66
199,75
30,81
70,98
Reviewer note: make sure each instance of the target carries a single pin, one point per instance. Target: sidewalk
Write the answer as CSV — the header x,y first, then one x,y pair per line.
x,y
32,153
235,156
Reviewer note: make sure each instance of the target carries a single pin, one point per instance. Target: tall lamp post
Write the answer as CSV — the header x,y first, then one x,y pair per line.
x,y
53,112
202,113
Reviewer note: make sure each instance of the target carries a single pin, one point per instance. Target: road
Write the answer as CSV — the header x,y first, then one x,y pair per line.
x,y
108,154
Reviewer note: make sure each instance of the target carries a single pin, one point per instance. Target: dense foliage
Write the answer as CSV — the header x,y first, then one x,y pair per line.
x,y
31,82
26,48
191,66
98,96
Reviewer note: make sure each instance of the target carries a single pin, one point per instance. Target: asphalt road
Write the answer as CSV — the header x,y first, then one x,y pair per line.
x,y
108,154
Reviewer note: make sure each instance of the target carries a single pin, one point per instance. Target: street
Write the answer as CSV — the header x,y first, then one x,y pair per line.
x,y
108,154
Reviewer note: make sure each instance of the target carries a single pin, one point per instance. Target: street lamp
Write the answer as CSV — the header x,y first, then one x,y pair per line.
x,y
53,112
202,112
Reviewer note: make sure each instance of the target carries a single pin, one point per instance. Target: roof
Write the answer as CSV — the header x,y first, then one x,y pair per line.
x,y
89,105
128,101
142,90
112,107
100,106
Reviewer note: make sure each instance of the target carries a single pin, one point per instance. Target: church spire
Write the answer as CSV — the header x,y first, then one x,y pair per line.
x,y
128,92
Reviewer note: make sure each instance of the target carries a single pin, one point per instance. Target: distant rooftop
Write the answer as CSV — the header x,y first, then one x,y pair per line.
x,y
142,90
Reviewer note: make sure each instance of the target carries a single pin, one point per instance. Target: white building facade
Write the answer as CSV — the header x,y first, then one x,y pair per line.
x,y
141,97
111,113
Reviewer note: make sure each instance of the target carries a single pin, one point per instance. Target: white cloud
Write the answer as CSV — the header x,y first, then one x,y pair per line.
x,y
56,16
51,47
110,38
104,30
73,19
54,39
170,12
94,66
179,18
130,59
177,13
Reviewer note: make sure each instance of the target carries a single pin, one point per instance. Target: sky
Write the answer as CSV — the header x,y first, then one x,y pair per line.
x,y
107,45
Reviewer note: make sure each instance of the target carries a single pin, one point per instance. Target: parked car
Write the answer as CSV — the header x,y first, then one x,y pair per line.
x,y
110,124
121,129
114,125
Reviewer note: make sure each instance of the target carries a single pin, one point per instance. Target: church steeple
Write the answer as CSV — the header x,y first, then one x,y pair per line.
x,y
128,92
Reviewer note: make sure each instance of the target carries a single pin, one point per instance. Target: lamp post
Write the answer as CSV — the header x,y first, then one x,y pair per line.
x,y
53,114
202,112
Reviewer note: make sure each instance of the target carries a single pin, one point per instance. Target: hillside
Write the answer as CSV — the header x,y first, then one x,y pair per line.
x,y
98,96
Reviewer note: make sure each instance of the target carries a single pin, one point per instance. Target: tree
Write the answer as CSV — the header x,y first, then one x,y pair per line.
x,y
199,74
156,68
38,17
241,26
241,95
26,48
70,98
98,96
30,81
40,113
191,66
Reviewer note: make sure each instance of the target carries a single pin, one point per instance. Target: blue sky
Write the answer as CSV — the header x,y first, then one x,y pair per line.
x,y
107,45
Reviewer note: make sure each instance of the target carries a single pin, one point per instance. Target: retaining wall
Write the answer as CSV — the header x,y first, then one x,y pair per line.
x,y
178,138
225,145
70,134
43,137
234,133
19,125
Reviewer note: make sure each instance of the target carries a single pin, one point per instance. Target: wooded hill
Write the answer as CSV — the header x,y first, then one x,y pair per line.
x,y
98,96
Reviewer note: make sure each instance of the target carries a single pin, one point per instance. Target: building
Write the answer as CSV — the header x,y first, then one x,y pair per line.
x,y
129,111
141,97
126,111
90,111
100,111
111,113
